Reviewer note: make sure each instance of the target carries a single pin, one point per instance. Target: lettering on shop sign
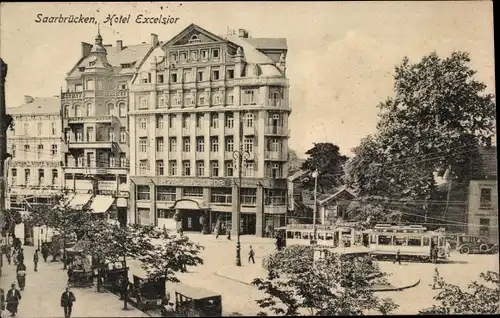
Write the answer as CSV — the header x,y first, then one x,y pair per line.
x,y
196,182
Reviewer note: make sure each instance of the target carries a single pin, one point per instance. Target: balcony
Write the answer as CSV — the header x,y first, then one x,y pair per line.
x,y
228,131
214,131
91,144
120,93
186,132
249,131
71,95
276,131
96,170
92,120
275,155
214,155
200,155
186,155
277,102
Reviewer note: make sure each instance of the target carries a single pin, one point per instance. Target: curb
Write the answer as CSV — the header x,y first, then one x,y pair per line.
x,y
392,288
233,279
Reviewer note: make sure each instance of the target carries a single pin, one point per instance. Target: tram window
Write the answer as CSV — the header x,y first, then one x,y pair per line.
x,y
289,235
414,241
329,236
400,240
384,240
321,236
297,235
441,241
305,236
427,241
373,239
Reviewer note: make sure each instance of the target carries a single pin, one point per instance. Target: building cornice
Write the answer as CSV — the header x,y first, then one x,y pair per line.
x,y
209,109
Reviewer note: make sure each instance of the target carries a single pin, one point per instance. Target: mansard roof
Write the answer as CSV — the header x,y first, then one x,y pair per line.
x,y
39,106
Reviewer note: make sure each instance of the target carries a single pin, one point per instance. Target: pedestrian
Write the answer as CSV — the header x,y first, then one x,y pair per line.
x,y
398,257
436,280
21,277
8,255
35,260
447,249
2,300
20,256
228,230
251,255
45,252
217,228
67,300
13,299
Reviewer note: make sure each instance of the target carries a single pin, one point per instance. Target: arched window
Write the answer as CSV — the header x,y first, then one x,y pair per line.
x,y
27,176
90,109
55,176
111,109
249,119
66,111
78,111
122,109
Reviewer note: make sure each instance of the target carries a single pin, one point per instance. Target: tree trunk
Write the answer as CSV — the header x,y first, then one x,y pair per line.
x,y
125,288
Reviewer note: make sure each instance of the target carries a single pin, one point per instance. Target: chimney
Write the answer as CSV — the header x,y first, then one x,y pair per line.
x,y
119,45
242,33
28,99
154,40
86,48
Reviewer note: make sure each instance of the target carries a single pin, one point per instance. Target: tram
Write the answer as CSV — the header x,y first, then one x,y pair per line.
x,y
339,235
412,241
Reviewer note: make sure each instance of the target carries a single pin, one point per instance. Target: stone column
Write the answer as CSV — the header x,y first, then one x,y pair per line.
x,y
153,217
132,211
259,212
235,209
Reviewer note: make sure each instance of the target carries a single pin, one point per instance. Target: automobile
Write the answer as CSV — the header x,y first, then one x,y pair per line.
x,y
467,244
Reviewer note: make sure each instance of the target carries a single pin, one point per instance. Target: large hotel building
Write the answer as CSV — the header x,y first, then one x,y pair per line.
x,y
196,100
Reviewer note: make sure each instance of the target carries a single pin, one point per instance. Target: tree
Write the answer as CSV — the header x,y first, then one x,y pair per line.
x,y
326,158
479,300
170,256
294,162
12,218
333,285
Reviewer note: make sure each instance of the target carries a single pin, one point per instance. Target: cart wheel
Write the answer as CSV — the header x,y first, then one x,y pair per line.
x,y
483,248
464,249
494,249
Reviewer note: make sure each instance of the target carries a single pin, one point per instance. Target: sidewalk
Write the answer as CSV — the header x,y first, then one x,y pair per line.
x,y
41,297
244,239
245,273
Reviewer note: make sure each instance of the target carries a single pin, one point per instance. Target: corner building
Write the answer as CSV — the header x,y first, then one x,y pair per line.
x,y
196,100
94,110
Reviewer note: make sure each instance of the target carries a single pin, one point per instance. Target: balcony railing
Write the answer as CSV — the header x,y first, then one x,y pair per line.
x,y
275,155
71,95
278,102
92,119
276,131
81,144
96,170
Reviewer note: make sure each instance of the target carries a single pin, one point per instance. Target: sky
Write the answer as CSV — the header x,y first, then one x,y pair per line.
x,y
340,61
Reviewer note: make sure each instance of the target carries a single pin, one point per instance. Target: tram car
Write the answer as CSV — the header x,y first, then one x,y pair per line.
x,y
414,242
339,235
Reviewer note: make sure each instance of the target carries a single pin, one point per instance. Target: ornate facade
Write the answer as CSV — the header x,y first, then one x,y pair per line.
x,y
198,99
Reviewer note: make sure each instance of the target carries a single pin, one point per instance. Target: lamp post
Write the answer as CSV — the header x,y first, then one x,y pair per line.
x,y
315,176
239,156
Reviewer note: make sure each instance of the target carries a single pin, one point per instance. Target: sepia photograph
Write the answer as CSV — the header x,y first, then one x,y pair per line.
x,y
267,158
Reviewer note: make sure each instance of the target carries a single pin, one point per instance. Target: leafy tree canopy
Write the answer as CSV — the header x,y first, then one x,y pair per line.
x,y
294,162
325,158
479,299
333,285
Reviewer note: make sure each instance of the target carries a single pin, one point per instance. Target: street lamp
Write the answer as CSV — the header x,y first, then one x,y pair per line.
x,y
239,156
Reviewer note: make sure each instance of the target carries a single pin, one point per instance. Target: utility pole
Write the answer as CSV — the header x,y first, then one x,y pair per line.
x,y
5,121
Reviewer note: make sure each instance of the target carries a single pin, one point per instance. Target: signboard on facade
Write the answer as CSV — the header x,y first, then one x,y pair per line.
x,y
196,182
107,185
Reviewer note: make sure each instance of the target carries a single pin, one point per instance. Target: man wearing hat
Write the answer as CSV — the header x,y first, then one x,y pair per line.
x,y
67,300
13,298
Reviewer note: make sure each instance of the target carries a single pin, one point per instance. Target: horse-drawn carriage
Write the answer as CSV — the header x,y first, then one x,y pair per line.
x,y
148,293
80,273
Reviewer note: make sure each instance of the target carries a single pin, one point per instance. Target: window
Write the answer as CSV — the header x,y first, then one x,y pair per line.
x,y
230,73
54,150
199,120
159,167
143,193
274,170
26,148
274,145
214,121
142,124
143,167
90,109
229,143
27,176
384,240
39,129
159,121
173,77
78,111
112,161
143,144
183,56
165,213
204,54
248,144
193,192
215,75
221,195
485,198
214,144
249,97
216,97
159,144
41,176
185,120
214,165
215,53
186,168
14,176
172,167
173,57
194,55
122,86
186,144
201,99
171,121
275,197
55,176
111,134
188,77
229,169
188,100
200,168
111,109
78,87
123,160
40,150
200,144
123,135
414,241
229,120
26,129
249,120
200,76
122,110
249,169
164,193
230,97
143,103
13,151
249,196
160,78
172,144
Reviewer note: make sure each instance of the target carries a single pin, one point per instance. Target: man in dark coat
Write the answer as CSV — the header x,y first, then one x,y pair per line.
x,y
13,298
67,300
20,256
45,252
35,260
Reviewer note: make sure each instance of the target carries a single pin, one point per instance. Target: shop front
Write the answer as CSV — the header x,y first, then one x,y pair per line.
x,y
192,215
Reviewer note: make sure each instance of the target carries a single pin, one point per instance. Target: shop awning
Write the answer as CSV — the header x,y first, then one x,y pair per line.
x,y
101,203
79,200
